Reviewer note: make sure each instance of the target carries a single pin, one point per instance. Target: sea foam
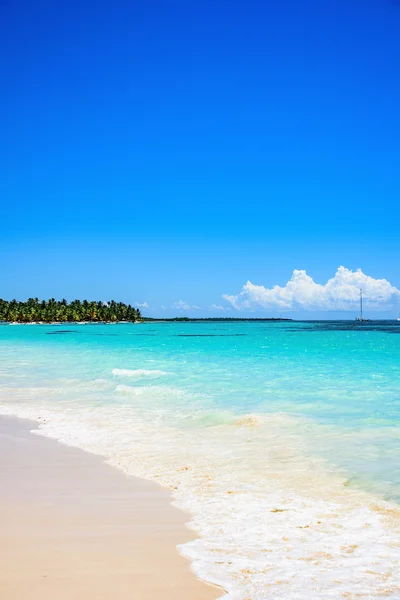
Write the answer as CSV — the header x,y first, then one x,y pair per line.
x,y
273,522
139,373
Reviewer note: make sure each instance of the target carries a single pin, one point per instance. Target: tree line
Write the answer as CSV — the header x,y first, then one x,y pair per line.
x,y
61,311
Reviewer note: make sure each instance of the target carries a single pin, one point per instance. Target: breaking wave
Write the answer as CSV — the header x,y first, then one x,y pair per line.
x,y
139,373
273,522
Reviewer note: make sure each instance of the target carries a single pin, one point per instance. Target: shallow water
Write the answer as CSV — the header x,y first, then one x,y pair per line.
x,y
281,438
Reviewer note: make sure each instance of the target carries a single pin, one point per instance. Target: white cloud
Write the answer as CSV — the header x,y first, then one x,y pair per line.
x,y
142,305
180,305
232,300
217,307
341,292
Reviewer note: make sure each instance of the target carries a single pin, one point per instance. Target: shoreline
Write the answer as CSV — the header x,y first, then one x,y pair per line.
x,y
60,504
311,517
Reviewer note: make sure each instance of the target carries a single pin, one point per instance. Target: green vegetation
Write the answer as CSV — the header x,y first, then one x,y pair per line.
x,y
50,311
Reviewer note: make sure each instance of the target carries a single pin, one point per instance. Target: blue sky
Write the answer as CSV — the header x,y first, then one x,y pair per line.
x,y
161,151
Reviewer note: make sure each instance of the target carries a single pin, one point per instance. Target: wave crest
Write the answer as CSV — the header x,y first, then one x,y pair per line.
x,y
139,373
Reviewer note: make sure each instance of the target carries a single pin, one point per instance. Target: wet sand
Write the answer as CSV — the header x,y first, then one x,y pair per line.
x,y
74,528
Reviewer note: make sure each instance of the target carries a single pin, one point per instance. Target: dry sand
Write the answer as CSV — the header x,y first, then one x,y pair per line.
x,y
74,528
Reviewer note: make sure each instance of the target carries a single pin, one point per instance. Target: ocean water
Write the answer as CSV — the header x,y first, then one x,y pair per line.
x,y
280,438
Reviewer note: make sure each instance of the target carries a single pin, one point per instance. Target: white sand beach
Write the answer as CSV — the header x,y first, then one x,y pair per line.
x,y
74,528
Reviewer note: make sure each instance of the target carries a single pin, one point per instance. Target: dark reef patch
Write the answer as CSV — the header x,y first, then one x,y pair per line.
x,y
60,332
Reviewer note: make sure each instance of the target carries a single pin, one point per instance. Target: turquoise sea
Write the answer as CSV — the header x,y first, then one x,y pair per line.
x,y
280,438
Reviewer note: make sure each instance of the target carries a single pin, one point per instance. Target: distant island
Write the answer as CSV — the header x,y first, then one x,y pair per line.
x,y
61,311
84,311
212,319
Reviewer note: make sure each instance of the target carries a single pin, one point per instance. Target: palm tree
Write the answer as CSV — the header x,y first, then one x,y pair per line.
x,y
60,311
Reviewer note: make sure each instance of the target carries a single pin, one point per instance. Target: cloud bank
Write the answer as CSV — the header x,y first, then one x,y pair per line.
x,y
301,292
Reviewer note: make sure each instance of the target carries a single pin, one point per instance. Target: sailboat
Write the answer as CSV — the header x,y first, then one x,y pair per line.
x,y
361,318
